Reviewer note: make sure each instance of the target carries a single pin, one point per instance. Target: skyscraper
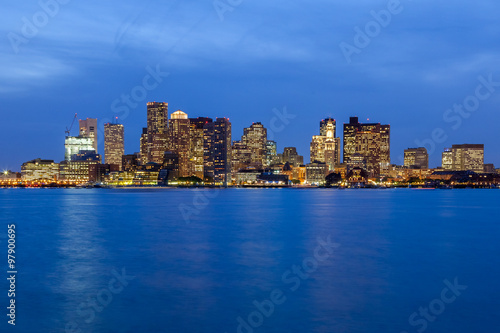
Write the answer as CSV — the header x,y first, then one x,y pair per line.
x,y
196,144
144,148
255,138
157,131
217,151
371,140
271,152
74,144
325,147
179,141
88,129
465,157
416,158
113,144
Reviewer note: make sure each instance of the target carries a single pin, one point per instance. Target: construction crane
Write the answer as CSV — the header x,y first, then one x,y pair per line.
x,y
69,130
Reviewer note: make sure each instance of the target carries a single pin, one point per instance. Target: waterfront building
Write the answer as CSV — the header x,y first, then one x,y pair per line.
x,y
144,148
255,138
316,173
217,151
114,147
468,157
447,159
196,145
157,126
179,131
326,146
416,158
271,152
241,156
372,140
40,170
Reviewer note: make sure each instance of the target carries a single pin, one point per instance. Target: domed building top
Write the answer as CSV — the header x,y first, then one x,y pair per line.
x,y
179,115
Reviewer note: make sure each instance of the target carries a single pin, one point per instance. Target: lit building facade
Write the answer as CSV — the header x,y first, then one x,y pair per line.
x,y
291,156
372,140
271,152
241,156
316,173
217,151
74,144
416,158
88,128
447,159
40,170
326,146
157,113
468,157
114,147
143,144
196,144
179,131
255,138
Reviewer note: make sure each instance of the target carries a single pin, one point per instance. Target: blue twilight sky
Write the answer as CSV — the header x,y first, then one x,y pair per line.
x,y
244,59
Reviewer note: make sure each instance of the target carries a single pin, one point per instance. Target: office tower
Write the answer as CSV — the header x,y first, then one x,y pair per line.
x,y
113,144
372,140
468,157
271,152
74,144
88,128
179,141
78,168
447,159
325,147
291,156
143,154
217,151
196,144
255,138
241,156
157,113
416,158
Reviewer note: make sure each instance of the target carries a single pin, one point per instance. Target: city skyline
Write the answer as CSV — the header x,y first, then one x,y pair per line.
x,y
234,66
170,135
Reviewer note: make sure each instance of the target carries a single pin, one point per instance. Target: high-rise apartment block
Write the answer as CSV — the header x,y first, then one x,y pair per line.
x,y
114,144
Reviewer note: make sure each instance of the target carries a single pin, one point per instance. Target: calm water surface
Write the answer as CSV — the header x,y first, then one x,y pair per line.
x,y
206,260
